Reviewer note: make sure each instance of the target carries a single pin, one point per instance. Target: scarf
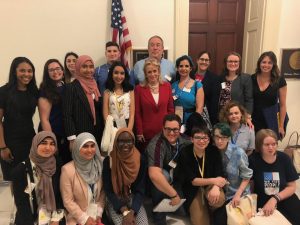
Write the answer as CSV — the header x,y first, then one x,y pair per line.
x,y
46,168
125,166
89,170
89,85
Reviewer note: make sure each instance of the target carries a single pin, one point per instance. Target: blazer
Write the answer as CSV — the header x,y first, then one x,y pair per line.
x,y
77,114
241,91
74,191
24,214
149,115
211,88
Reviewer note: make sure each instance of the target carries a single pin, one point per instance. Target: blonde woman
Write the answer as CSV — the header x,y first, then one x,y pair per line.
x,y
153,100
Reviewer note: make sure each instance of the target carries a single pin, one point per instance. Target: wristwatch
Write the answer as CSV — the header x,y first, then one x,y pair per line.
x,y
126,212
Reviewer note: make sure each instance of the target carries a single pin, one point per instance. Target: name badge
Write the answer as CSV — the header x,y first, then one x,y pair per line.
x,y
172,164
223,85
92,210
188,90
182,128
175,97
120,99
44,216
168,77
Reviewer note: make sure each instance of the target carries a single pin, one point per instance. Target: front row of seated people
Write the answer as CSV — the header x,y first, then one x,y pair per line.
x,y
208,175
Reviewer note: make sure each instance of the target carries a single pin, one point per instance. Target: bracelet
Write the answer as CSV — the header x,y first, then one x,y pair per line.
x,y
174,196
277,198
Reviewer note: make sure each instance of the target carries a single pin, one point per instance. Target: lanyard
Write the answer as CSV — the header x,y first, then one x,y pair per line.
x,y
93,191
236,135
203,162
185,83
177,150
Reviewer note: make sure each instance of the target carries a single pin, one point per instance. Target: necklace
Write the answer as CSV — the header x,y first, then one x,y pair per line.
x,y
154,88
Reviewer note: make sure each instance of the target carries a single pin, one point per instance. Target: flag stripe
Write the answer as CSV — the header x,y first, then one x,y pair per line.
x,y
120,32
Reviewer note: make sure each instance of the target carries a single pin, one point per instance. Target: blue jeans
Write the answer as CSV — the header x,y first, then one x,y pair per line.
x,y
157,196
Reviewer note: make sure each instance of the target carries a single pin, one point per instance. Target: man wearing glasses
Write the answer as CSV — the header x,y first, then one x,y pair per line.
x,y
162,152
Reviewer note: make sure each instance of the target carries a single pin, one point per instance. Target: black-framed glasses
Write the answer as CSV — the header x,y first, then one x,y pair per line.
x,y
169,130
52,70
201,138
204,60
221,138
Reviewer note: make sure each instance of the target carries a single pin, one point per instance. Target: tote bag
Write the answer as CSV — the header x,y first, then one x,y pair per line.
x,y
241,214
275,219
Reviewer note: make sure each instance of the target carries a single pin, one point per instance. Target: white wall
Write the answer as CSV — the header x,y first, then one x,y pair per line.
x,y
47,29
281,30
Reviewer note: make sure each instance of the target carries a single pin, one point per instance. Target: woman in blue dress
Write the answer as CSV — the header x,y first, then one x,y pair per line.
x,y
50,105
187,93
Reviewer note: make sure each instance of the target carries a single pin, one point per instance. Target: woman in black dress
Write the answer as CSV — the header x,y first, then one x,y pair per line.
x,y
18,99
269,90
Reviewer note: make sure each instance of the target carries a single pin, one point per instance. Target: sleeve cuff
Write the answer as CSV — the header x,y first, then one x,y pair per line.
x,y
57,215
72,137
84,217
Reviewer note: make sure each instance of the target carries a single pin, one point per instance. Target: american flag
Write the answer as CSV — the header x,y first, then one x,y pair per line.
x,y
120,32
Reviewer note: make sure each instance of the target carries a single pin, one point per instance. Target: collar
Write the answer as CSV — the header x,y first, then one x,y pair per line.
x,y
229,150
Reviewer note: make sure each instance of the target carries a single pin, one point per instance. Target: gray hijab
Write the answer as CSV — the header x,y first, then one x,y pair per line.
x,y
46,168
89,170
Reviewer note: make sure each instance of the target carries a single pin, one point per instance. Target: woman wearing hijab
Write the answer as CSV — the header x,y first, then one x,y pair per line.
x,y
36,183
81,183
124,181
81,104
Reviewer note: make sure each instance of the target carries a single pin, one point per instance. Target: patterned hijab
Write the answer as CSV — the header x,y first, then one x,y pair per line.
x,y
89,84
89,170
125,166
45,168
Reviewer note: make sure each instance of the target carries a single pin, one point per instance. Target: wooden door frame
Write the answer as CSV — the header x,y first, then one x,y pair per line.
x,y
181,31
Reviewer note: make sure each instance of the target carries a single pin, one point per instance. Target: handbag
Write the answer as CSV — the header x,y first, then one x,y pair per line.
x,y
275,219
241,214
271,115
293,151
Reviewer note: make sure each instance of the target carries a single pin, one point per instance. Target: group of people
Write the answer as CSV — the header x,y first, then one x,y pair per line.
x,y
193,132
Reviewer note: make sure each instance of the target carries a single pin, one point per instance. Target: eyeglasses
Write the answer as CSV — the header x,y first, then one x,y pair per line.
x,y
125,142
169,130
204,60
220,138
232,61
57,69
201,138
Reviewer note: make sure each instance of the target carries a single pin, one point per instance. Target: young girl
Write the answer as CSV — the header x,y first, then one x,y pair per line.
x,y
118,98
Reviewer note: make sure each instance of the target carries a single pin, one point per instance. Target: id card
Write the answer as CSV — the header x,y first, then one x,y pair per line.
x,y
188,90
92,210
175,97
168,77
44,216
121,122
172,164
223,85
179,111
